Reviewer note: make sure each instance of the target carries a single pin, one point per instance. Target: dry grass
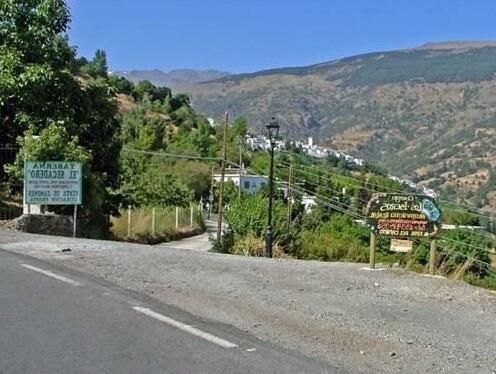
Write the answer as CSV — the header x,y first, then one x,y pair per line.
x,y
141,229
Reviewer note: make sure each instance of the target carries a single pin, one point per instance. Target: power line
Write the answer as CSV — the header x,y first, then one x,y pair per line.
x,y
365,183
355,209
371,190
359,181
336,205
444,249
465,244
467,206
464,210
171,155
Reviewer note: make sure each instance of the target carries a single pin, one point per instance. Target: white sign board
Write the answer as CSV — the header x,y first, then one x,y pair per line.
x,y
398,245
53,182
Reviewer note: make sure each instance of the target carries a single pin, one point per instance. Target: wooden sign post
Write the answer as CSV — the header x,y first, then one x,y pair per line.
x,y
372,250
432,257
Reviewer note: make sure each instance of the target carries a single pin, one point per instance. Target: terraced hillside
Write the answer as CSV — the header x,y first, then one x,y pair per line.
x,y
428,113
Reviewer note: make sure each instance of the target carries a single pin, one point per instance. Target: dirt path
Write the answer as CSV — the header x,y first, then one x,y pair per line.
x,y
200,242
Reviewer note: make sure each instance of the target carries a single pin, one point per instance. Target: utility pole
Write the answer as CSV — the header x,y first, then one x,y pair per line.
x,y
211,195
240,143
290,194
273,130
222,172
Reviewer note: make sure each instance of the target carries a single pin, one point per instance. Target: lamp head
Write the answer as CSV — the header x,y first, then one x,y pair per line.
x,y
273,129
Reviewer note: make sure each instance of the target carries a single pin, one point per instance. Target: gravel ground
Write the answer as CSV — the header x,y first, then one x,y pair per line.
x,y
361,321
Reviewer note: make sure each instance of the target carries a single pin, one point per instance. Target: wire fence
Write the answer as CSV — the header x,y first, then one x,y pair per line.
x,y
150,223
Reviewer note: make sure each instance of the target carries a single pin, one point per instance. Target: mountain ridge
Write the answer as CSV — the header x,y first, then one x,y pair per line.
x,y
172,78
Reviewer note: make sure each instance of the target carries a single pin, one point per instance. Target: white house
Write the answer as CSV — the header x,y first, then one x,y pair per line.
x,y
249,183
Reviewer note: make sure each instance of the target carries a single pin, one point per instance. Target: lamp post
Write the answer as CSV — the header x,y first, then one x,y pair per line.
x,y
273,130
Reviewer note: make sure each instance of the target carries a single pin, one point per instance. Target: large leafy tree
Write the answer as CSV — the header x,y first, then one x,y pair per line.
x,y
35,84
38,87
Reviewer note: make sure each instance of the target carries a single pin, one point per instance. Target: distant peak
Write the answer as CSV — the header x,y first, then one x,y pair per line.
x,y
458,44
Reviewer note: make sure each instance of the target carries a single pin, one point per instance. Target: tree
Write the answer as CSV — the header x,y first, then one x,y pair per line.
x,y
152,135
98,66
239,129
53,143
37,89
143,88
148,182
147,89
99,63
120,84
35,80
178,101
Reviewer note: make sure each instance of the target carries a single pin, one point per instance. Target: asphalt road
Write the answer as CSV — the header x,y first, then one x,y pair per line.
x,y
54,321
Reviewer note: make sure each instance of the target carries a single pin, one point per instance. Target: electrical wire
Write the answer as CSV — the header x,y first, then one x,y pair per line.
x,y
172,155
462,210
372,184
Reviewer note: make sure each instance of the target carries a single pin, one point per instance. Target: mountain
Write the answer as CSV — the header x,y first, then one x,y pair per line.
x,y
173,78
428,113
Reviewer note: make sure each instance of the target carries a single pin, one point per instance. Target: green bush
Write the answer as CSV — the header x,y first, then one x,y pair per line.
x,y
248,216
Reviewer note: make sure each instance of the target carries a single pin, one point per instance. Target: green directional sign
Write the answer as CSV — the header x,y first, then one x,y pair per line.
x,y
53,182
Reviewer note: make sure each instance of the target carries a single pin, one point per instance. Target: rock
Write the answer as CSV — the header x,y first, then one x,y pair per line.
x,y
48,224
376,284
392,354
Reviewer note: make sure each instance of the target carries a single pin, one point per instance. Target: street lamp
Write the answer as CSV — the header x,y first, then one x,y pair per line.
x,y
273,130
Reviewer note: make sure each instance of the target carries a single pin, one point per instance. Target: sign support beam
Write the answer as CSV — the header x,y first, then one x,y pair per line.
x,y
74,223
432,257
372,250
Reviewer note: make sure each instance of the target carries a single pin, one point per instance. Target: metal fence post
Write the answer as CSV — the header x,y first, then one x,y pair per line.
x,y
153,221
129,221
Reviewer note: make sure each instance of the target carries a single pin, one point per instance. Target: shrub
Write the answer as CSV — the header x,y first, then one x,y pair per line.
x,y
248,245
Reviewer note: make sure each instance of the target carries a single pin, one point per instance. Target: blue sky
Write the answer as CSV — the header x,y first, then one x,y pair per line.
x,y
250,35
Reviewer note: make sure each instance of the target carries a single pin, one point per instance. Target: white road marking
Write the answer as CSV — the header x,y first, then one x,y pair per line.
x,y
251,350
52,275
184,327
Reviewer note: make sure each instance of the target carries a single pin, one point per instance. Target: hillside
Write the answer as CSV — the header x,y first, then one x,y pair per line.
x,y
428,113
173,78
